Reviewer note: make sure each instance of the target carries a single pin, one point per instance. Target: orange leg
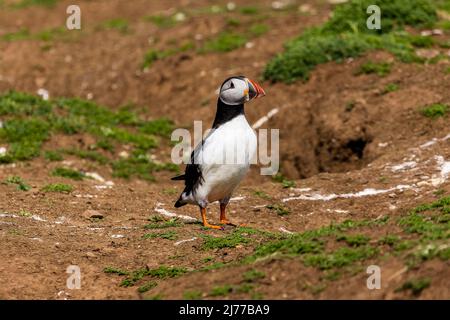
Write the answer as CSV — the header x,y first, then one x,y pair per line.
x,y
205,223
223,219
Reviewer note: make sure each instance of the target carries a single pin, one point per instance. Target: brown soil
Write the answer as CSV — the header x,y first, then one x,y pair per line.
x,y
332,149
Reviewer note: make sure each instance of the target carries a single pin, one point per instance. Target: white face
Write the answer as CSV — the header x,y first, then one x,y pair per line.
x,y
235,91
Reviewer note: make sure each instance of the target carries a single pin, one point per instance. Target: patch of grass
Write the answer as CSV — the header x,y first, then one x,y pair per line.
x,y
250,10
261,194
389,240
164,224
30,121
354,240
162,21
258,29
162,272
239,236
22,34
153,55
380,68
224,42
435,111
53,155
170,191
58,187
161,127
88,154
118,24
43,3
283,180
19,182
346,35
118,271
169,235
220,291
253,275
279,209
147,286
390,87
192,295
416,286
68,173
340,257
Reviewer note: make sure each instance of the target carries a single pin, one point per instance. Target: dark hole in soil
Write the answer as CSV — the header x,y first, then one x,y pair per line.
x,y
357,146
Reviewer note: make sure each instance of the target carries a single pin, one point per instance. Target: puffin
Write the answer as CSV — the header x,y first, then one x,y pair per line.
x,y
219,163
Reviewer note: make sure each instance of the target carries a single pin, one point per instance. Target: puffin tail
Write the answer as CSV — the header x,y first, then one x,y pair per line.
x,y
180,177
179,203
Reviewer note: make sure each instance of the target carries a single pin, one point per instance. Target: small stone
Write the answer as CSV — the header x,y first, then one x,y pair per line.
x,y
90,255
92,214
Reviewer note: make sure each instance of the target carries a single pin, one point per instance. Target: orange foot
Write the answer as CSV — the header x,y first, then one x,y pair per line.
x,y
211,226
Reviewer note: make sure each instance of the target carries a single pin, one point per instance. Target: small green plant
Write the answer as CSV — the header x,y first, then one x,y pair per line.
x,y
249,10
53,156
117,271
169,235
253,275
147,286
223,290
239,236
261,194
284,181
68,173
415,285
354,240
21,184
162,21
390,87
224,42
153,55
27,3
58,187
162,224
118,24
436,110
258,29
279,209
192,295
380,68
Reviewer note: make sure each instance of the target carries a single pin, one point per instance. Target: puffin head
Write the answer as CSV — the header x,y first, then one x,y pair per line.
x,y
239,90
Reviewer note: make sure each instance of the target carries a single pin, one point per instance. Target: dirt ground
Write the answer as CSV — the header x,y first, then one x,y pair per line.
x,y
380,157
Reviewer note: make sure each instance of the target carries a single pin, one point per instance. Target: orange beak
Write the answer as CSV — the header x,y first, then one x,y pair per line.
x,y
255,90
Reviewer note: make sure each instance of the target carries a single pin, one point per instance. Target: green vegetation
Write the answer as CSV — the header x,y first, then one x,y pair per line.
x,y
169,235
261,194
153,55
118,24
258,29
354,240
436,110
58,187
147,286
53,156
192,295
416,286
390,87
239,236
133,277
163,21
68,173
249,10
345,35
380,68
279,209
225,42
31,121
162,224
19,182
27,3
223,290
253,275
284,181
52,34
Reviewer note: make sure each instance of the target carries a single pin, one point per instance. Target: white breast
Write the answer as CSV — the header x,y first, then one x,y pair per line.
x,y
225,159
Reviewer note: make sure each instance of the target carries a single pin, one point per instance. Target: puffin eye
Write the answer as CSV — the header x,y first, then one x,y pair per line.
x,y
231,85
